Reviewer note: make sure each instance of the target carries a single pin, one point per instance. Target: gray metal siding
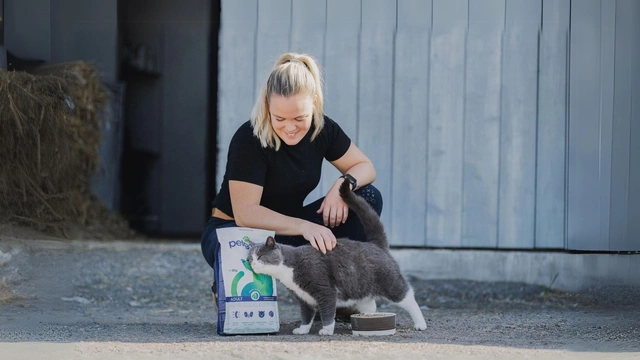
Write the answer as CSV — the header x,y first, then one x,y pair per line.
x,y
632,242
620,160
375,101
591,30
625,166
408,196
341,59
602,170
552,123
482,124
236,80
484,131
518,125
446,118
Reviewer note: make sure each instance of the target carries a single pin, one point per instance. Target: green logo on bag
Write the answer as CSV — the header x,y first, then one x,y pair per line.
x,y
261,284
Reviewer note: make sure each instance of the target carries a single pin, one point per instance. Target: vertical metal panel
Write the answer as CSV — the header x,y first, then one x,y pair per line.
x,y
622,162
607,51
584,176
236,72
445,134
341,73
633,238
482,123
621,127
410,124
552,121
272,37
518,124
308,20
376,89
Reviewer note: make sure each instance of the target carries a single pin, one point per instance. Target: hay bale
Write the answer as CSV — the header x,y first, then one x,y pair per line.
x,y
49,140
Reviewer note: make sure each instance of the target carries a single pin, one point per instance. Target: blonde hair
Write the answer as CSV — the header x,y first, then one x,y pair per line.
x,y
293,74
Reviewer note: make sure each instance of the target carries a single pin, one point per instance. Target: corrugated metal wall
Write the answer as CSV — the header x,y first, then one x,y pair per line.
x,y
464,107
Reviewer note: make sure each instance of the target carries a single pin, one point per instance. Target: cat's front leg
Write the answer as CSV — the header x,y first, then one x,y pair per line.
x,y
307,313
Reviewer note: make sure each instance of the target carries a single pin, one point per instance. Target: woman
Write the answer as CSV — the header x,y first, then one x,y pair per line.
x,y
275,161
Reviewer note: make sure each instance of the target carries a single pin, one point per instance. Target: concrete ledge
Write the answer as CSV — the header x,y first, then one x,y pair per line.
x,y
575,272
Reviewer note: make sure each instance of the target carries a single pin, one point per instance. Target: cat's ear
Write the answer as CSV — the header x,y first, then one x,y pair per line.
x,y
271,242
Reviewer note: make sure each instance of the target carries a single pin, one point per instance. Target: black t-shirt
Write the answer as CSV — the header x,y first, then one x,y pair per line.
x,y
288,175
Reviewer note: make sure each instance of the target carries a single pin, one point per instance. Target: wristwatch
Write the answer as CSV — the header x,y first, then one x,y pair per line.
x,y
352,181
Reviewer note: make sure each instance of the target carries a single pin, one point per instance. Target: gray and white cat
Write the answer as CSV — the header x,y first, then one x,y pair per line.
x,y
354,273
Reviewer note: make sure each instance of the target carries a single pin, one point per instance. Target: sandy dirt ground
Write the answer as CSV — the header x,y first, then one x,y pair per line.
x,y
151,300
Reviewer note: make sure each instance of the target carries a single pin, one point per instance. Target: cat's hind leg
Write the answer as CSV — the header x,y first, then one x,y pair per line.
x,y
367,305
411,306
307,313
327,315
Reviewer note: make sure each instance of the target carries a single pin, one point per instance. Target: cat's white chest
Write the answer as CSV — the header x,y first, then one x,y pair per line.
x,y
285,275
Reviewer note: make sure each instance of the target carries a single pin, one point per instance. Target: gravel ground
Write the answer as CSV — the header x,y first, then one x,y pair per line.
x,y
151,299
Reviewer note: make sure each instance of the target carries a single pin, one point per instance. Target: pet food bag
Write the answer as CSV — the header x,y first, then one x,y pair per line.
x,y
247,302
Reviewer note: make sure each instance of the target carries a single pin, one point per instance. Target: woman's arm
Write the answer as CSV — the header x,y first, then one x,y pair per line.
x,y
355,163
247,211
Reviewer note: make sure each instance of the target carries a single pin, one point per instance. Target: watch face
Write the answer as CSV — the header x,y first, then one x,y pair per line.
x,y
352,181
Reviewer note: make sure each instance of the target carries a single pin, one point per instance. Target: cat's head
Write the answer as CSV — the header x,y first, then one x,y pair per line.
x,y
265,258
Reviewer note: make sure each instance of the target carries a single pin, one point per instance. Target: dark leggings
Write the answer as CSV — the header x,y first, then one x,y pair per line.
x,y
351,229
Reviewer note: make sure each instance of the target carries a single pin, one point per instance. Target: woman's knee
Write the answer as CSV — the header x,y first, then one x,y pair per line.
x,y
209,239
372,195
208,244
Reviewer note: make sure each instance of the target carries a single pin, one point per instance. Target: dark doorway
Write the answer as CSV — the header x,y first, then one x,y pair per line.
x,y
212,153
168,55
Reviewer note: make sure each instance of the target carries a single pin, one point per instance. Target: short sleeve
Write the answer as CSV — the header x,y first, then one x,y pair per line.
x,y
247,160
338,141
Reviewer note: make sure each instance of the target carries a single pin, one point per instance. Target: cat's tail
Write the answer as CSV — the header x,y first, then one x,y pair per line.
x,y
368,217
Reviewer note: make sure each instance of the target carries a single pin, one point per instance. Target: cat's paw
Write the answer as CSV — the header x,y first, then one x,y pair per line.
x,y
325,331
421,325
302,330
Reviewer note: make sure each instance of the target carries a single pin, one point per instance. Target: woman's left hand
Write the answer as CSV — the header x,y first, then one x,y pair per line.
x,y
333,209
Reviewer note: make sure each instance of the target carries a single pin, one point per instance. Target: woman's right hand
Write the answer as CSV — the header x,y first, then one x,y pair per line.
x,y
320,237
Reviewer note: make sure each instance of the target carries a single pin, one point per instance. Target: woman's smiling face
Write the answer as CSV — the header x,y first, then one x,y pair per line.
x,y
291,116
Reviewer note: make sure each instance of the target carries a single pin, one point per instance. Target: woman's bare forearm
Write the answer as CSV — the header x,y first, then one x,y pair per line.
x,y
260,217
